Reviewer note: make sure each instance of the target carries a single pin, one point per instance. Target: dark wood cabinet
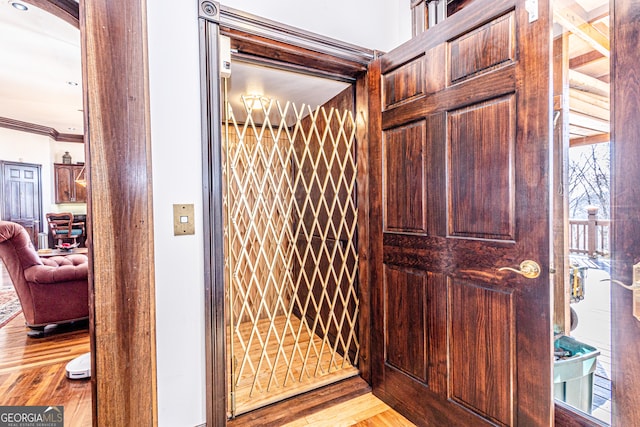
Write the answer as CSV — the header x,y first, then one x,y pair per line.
x,y
66,188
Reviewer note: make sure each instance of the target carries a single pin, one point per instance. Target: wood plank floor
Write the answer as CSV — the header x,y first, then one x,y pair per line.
x,y
348,403
270,370
32,371
366,410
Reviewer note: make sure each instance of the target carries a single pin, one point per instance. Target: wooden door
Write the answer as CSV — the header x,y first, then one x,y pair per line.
x,y
625,210
22,200
460,187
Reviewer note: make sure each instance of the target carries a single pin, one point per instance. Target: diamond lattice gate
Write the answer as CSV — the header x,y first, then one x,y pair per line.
x,y
291,254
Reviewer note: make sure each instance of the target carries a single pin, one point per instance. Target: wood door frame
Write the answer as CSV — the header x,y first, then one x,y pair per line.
x,y
260,40
625,250
625,104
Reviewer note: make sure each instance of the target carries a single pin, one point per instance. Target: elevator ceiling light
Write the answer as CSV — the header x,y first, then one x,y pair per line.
x,y
255,102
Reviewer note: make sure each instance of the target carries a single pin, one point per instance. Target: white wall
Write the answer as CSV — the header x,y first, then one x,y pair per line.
x,y
177,174
375,24
174,80
27,147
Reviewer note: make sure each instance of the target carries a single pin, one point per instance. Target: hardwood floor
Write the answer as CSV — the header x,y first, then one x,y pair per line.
x,y
366,410
348,403
32,371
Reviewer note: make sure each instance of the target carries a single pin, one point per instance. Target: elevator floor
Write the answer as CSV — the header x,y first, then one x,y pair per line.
x,y
282,370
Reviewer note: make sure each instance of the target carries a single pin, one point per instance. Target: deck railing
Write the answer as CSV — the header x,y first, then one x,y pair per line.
x,y
589,236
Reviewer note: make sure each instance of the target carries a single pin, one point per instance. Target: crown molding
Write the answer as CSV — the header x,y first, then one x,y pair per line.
x,y
40,130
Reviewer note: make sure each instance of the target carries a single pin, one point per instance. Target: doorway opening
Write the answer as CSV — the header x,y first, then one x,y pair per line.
x,y
290,211
582,320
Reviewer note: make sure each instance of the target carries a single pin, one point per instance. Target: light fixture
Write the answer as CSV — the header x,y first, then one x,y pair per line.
x,y
21,7
255,102
70,83
81,178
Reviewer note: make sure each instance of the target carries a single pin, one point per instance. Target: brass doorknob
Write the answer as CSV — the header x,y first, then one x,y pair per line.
x,y
529,269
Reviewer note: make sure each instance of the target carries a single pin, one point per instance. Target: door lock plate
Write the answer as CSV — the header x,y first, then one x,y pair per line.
x,y
634,288
636,291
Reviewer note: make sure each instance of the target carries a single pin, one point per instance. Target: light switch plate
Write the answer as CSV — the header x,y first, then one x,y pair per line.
x,y
183,221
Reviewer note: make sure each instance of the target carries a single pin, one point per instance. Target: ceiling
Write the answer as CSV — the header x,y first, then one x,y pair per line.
x,y
40,74
276,88
40,71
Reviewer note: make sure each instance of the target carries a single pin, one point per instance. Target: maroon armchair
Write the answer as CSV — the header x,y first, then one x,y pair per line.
x,y
51,290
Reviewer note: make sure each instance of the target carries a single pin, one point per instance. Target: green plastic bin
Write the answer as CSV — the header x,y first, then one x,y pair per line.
x,y
573,374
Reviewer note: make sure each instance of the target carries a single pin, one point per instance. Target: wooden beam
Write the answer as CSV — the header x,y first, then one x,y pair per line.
x,y
585,59
576,132
597,100
578,80
589,109
589,140
588,122
578,26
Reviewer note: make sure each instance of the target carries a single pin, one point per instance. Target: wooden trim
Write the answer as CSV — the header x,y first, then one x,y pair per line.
x,y
122,310
376,344
67,10
293,409
40,130
278,45
246,23
565,416
560,203
274,52
625,194
362,181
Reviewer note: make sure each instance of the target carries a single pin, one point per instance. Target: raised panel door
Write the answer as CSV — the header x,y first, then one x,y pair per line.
x,y
460,188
